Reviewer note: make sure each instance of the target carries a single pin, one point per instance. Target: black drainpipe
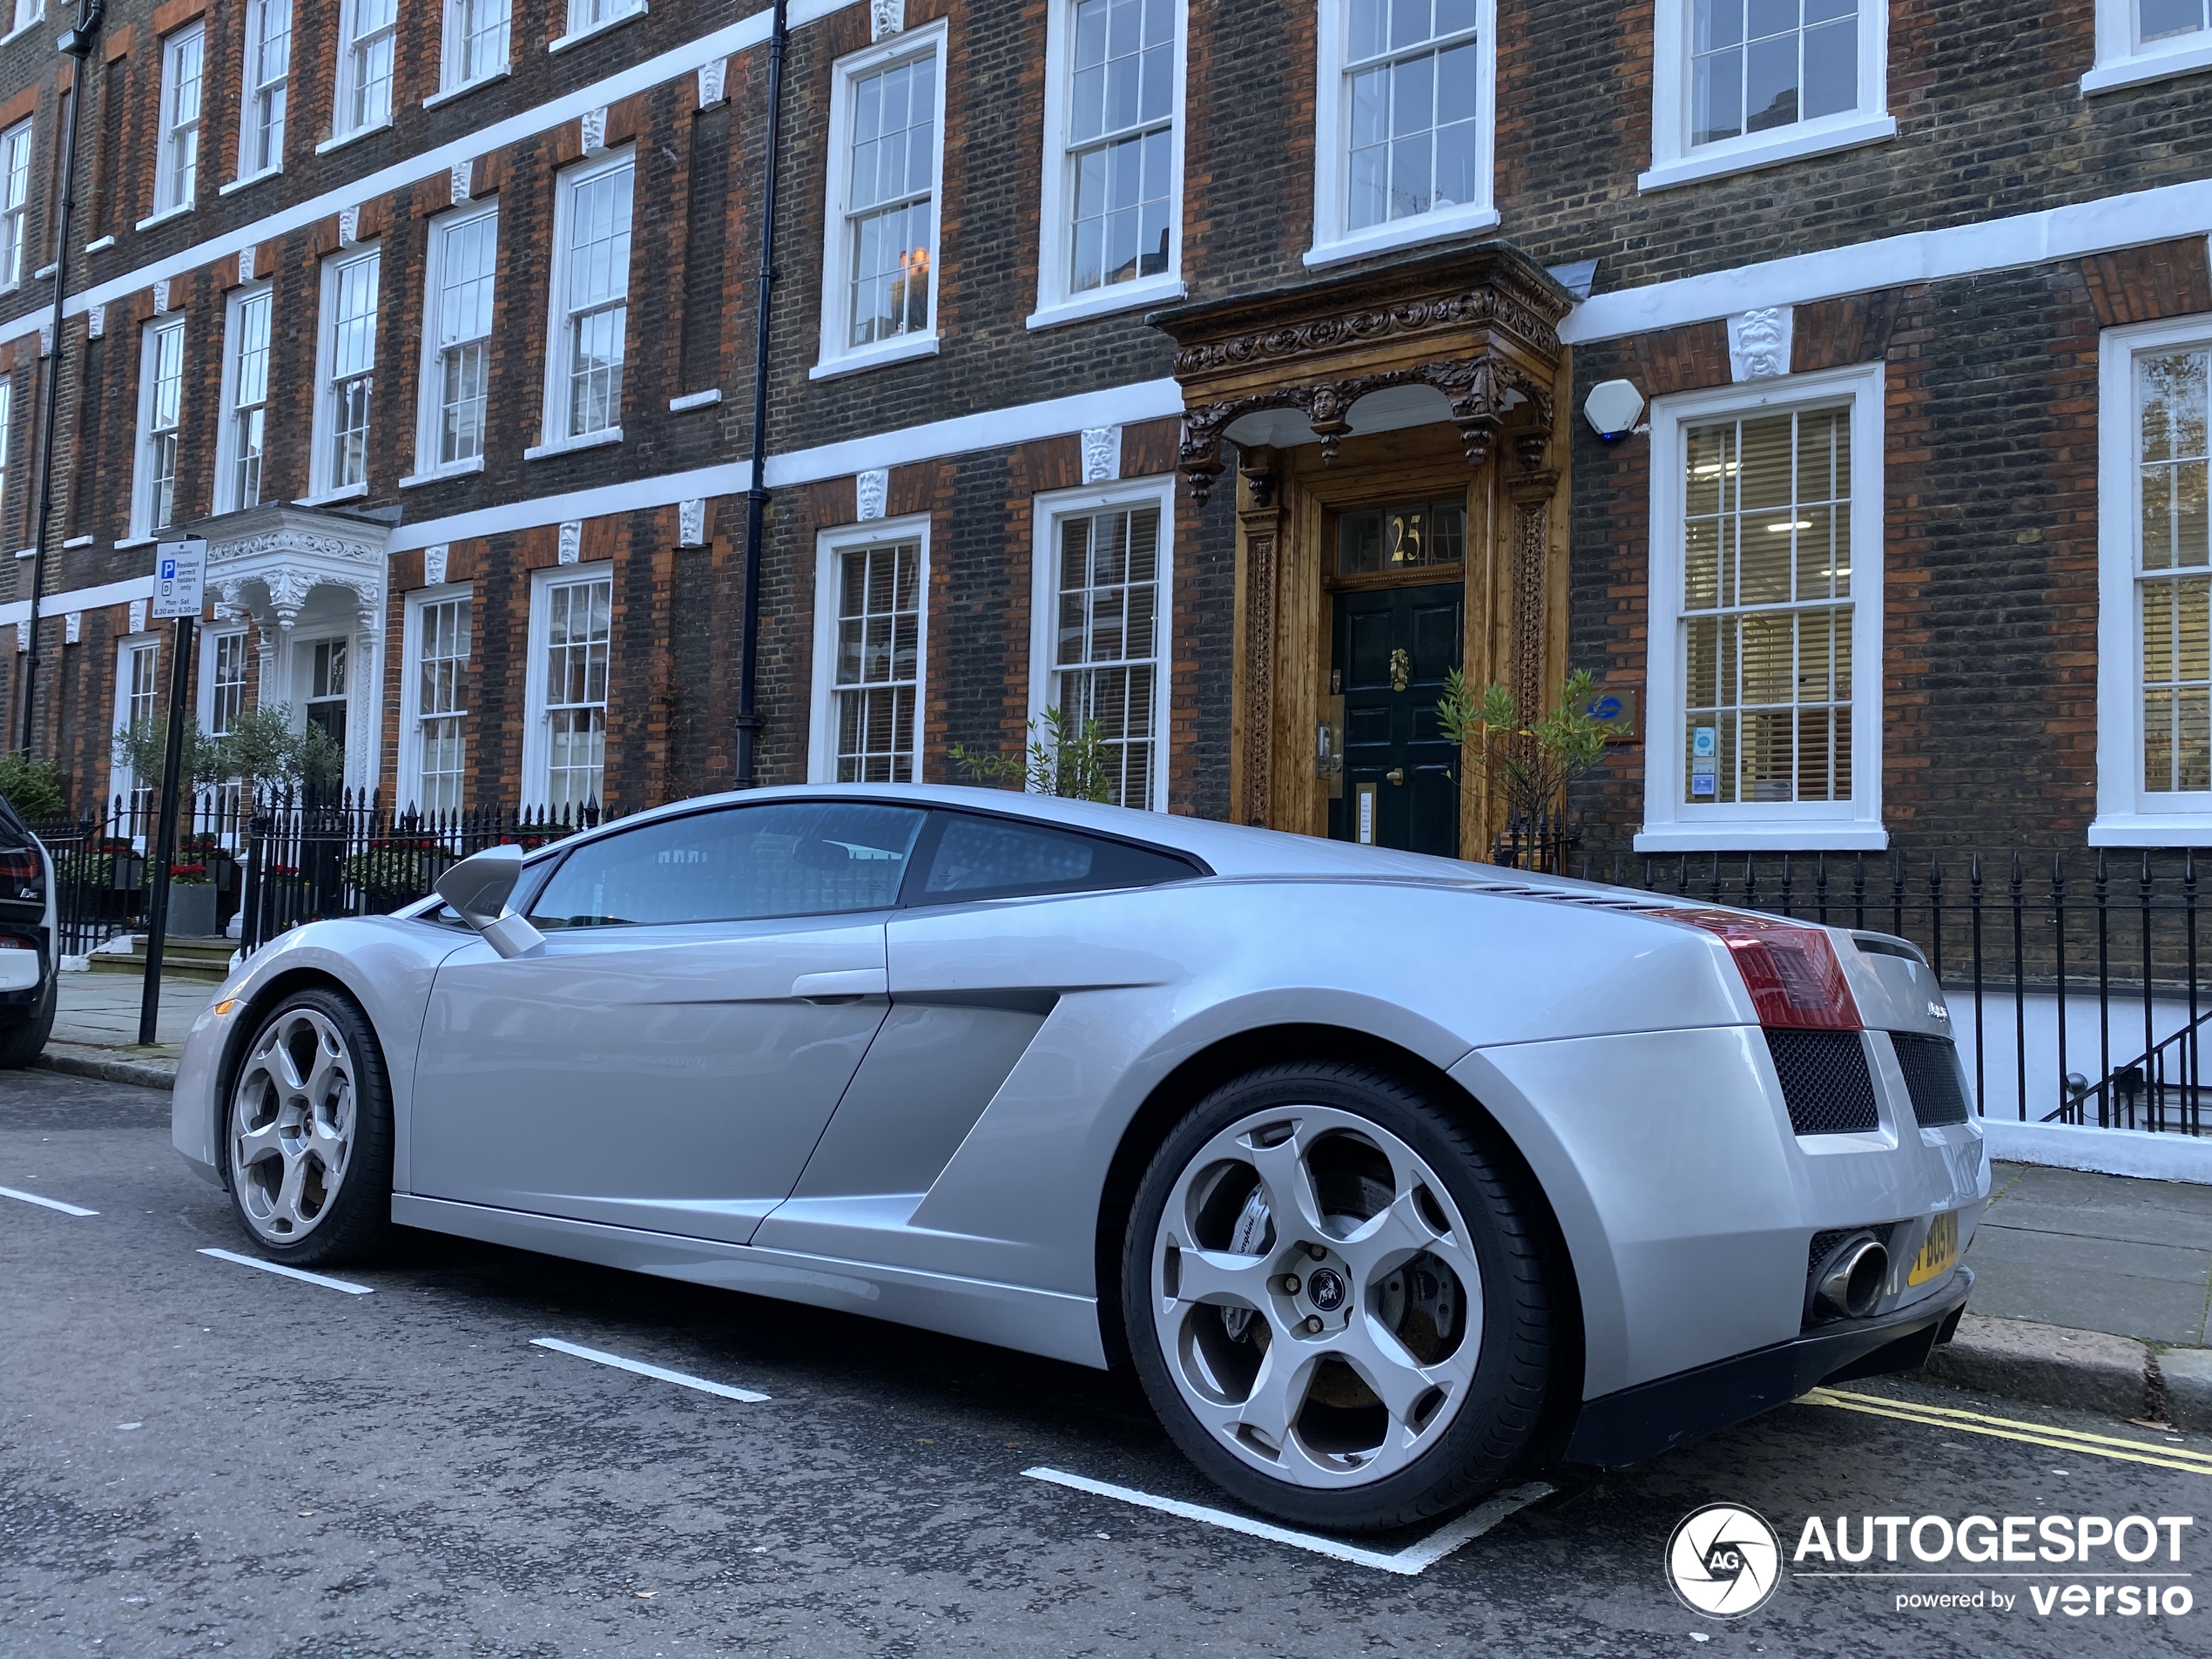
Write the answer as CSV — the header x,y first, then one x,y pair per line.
x,y
78,44
755,499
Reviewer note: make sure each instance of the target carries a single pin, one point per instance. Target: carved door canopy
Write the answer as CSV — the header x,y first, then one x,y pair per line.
x,y
1464,335
266,560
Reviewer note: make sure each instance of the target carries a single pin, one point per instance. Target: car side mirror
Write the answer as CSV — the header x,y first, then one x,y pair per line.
x,y
478,888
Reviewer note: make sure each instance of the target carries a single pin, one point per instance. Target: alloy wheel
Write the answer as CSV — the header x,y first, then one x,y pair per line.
x,y
291,1125
1315,1296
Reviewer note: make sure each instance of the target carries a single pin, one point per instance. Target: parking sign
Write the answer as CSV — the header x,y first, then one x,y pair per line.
x,y
179,573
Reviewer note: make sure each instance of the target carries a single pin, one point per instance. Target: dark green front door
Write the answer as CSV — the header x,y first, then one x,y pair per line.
x,y
1393,647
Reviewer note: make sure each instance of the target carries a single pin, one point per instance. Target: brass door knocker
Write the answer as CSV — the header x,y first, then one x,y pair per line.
x,y
1401,669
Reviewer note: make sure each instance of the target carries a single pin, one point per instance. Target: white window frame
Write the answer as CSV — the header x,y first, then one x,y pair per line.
x,y
1670,824
174,133
226,447
16,152
430,426
1333,241
2129,815
28,14
829,545
346,84
257,12
1046,511
453,48
536,745
1056,304
7,436
2122,61
209,646
142,475
122,781
319,471
409,793
583,27
1675,161
837,357
555,424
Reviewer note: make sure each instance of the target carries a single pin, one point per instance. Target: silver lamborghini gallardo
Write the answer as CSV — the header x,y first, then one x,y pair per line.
x,y
1389,1175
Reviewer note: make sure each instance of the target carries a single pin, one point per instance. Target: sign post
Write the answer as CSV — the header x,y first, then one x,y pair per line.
x,y
179,576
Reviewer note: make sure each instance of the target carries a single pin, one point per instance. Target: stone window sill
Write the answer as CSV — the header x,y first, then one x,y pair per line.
x,y
561,447
2183,57
1403,233
439,475
695,400
900,350
448,94
250,178
1758,150
165,215
592,32
358,133
1104,302
1806,836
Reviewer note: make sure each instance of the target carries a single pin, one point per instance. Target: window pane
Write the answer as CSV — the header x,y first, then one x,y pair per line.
x,y
979,858
784,859
1767,674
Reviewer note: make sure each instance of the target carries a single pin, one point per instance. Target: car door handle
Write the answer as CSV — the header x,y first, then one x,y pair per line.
x,y
844,983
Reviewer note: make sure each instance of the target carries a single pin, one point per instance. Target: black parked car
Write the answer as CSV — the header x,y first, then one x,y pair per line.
x,y
26,943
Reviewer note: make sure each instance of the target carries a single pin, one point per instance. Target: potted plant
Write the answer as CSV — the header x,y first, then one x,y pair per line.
x,y
1531,763
191,903
1063,759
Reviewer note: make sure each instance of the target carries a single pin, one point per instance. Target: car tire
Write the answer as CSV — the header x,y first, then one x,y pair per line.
x,y
307,1132
1416,1276
22,1044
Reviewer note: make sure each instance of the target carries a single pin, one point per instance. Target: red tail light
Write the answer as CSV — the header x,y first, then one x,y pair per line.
x,y
22,876
1791,972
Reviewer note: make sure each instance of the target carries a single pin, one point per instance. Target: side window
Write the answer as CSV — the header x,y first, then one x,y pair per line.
x,y
995,858
796,859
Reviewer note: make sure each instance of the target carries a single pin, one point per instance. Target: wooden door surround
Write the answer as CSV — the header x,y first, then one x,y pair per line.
x,y
1475,327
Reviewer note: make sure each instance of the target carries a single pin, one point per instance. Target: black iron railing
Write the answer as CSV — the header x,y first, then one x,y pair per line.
x,y
270,862
2058,968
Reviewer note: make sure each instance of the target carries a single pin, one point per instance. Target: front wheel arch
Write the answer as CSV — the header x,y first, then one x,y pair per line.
x,y
1197,1077
247,1020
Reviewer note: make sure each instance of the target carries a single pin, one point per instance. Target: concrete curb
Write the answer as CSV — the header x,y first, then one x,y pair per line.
x,y
83,1060
2186,1376
2083,1370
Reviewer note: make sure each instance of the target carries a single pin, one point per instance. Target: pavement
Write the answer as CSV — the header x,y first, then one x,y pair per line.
x,y
95,1027
198,1456
2092,1291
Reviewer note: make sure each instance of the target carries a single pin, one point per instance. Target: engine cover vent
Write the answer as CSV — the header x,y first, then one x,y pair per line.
x,y
1932,1078
1825,1083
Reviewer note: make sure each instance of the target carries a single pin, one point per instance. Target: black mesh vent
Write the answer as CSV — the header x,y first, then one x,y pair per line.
x,y
1931,1076
1824,1082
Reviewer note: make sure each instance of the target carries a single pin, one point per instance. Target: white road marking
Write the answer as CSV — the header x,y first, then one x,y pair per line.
x,y
47,1204
682,1379
1413,1559
291,1272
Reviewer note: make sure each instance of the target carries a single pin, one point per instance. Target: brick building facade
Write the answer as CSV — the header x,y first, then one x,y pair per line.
x,y
1219,371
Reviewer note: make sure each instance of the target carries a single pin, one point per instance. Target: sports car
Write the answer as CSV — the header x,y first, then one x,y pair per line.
x,y
1390,1176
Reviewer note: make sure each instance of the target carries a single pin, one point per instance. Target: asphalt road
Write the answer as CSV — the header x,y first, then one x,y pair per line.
x,y
197,1457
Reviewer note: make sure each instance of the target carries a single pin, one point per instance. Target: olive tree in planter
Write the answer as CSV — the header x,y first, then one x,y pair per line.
x,y
1531,758
1063,759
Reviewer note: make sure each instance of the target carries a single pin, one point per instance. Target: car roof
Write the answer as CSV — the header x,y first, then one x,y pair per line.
x,y
1227,849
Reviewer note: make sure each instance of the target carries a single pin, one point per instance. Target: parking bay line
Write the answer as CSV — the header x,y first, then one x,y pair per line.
x,y
46,1203
682,1380
327,1282
1413,1559
2012,1428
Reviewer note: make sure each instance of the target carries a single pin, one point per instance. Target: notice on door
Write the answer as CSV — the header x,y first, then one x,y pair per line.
x,y
179,577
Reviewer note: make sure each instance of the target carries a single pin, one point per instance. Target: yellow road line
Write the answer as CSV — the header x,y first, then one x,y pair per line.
x,y
2007,1428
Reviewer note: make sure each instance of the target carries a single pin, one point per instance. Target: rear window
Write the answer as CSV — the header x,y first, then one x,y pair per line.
x,y
996,858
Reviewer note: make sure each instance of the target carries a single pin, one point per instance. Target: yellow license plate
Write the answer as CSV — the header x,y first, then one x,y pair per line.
x,y
1939,1252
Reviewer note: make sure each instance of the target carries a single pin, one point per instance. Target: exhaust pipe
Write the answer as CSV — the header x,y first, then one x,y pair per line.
x,y
1850,1281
